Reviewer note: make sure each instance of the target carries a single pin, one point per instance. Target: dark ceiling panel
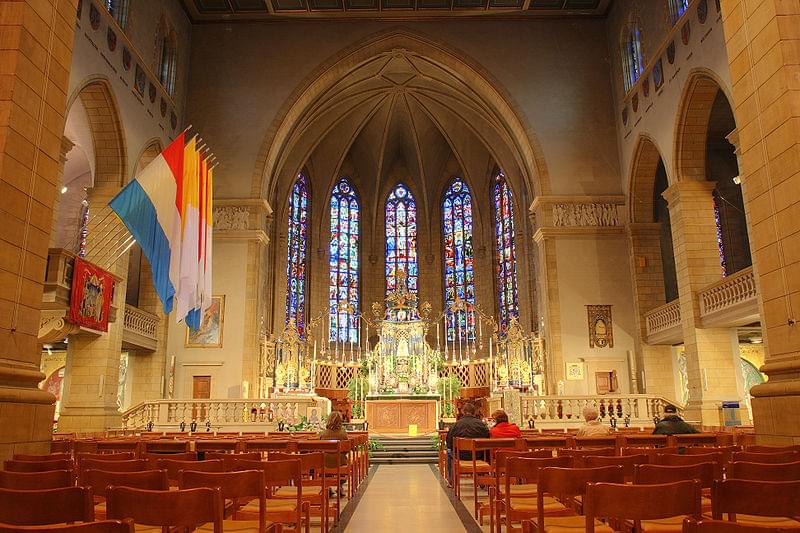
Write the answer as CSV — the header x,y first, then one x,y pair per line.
x,y
288,5
325,5
249,5
398,4
212,6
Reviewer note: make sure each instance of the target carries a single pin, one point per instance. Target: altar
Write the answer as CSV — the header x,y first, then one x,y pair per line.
x,y
394,415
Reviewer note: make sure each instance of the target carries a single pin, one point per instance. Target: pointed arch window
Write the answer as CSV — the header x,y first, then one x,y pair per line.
x,y
632,58
401,239
168,64
459,276
505,250
677,8
296,253
343,263
119,10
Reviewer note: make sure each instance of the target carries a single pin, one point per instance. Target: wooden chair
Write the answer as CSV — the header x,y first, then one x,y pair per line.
x,y
705,473
686,460
480,475
570,483
627,462
442,446
121,456
647,508
84,446
270,445
104,526
48,457
760,503
720,526
545,442
278,475
153,458
335,448
497,488
772,458
636,440
772,449
237,487
43,507
216,445
764,471
173,467
579,455
700,439
166,446
52,479
609,441
119,446
166,508
228,459
38,466
60,445
649,452
518,500
100,480
133,465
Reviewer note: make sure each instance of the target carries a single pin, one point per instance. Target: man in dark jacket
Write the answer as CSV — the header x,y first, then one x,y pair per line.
x,y
672,424
468,426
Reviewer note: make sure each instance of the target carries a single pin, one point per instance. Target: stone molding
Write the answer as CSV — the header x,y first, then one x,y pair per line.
x,y
244,219
555,216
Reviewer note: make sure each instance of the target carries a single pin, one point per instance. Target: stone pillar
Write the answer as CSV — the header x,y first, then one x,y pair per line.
x,y
712,366
35,58
91,376
66,146
644,241
762,42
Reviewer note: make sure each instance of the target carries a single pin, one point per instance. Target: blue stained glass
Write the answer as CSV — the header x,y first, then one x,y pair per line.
x,y
343,264
458,259
506,253
401,238
296,254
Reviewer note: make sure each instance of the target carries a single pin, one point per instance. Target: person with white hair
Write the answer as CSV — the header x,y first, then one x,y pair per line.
x,y
592,427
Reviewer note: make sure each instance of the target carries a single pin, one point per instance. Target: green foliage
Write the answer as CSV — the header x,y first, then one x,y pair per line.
x,y
449,387
436,444
362,382
373,445
303,425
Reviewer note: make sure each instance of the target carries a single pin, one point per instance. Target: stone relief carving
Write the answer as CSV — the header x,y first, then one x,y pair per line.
x,y
231,218
577,215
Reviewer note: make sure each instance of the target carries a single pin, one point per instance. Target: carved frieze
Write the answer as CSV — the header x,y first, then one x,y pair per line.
x,y
229,217
244,218
585,215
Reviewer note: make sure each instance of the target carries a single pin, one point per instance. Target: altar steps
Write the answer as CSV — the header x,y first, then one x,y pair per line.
x,y
400,450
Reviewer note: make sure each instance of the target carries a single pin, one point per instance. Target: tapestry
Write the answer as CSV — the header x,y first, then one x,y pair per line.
x,y
601,334
90,301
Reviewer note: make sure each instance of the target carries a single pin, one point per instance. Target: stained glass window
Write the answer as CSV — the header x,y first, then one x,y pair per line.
x,y
720,245
401,239
343,262
296,255
632,59
506,253
459,280
677,8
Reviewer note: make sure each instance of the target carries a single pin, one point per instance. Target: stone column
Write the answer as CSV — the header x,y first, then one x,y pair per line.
x,y
34,67
644,241
92,373
66,146
762,42
712,366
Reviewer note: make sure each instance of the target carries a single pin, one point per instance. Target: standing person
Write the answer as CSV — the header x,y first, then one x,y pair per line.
x,y
334,430
468,426
672,424
503,429
592,427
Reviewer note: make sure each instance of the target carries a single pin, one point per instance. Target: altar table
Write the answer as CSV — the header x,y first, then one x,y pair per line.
x,y
395,415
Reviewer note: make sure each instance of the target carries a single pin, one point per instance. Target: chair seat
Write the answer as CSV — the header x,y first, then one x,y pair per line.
x,y
274,505
524,489
237,526
663,525
569,524
531,504
291,492
768,521
480,466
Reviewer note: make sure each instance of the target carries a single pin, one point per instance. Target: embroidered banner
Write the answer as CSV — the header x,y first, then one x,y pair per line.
x,y
92,290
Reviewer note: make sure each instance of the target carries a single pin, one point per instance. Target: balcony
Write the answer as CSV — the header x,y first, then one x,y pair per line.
x,y
663,324
140,330
730,302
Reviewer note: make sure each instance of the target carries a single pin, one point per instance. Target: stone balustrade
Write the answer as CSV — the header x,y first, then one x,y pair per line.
x,y
140,328
731,301
567,411
227,414
663,324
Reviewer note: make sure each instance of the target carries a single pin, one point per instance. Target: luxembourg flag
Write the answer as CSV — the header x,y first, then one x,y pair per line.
x,y
151,208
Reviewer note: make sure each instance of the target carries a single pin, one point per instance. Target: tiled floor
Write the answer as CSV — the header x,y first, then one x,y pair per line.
x,y
404,498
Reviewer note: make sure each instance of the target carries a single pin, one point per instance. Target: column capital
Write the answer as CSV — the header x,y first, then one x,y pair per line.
x,y
245,219
679,191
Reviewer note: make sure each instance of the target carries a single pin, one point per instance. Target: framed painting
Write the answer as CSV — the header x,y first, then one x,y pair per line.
x,y
209,334
575,371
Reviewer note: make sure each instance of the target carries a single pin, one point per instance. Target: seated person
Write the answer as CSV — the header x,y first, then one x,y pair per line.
x,y
503,429
468,426
672,424
592,427
334,430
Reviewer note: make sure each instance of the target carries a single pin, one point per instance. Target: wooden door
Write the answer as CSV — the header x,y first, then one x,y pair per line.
x,y
201,390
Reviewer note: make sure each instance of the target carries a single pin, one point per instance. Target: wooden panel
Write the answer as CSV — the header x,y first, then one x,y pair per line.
x,y
201,387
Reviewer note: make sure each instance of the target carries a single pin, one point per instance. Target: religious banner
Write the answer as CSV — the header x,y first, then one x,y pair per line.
x,y
90,301
601,333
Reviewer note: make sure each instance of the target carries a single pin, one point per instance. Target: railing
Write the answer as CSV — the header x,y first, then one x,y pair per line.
x,y
663,324
563,411
140,328
732,299
219,413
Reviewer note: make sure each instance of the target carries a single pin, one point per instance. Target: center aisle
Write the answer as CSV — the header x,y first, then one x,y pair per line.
x,y
403,498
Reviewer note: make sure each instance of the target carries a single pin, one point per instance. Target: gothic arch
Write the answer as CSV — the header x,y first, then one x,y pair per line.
x,y
692,123
642,179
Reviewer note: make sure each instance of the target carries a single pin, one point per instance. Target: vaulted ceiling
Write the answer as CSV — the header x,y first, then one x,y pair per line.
x,y
248,10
